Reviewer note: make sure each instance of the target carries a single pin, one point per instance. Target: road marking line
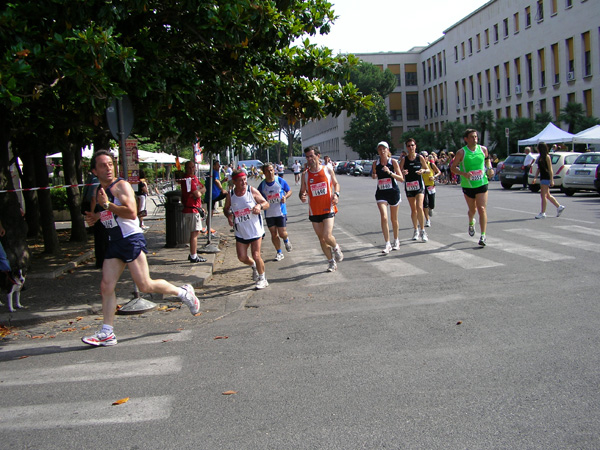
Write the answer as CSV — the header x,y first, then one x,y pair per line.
x,y
460,258
579,229
557,239
91,372
99,412
52,346
396,266
522,250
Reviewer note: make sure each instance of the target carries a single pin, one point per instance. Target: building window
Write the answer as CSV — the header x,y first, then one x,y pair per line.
x,y
518,76
455,53
516,22
527,17
487,37
478,42
412,106
410,75
587,102
488,82
555,63
496,33
540,11
570,60
434,68
587,56
497,73
556,105
505,25
507,76
568,3
529,71
395,69
462,50
553,7
470,46
542,62
396,106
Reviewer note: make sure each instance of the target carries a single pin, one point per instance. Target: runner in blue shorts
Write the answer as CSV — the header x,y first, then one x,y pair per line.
x,y
115,207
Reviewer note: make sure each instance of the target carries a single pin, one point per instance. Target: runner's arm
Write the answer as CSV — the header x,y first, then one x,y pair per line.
x,y
261,203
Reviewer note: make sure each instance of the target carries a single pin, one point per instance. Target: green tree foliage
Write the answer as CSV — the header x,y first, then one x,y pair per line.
x,y
484,120
371,124
572,114
426,140
498,137
220,72
452,135
368,127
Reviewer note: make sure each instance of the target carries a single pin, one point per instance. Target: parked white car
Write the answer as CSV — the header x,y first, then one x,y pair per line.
x,y
561,161
581,174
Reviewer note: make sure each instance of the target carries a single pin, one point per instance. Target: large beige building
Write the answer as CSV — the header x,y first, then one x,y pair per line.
x,y
515,58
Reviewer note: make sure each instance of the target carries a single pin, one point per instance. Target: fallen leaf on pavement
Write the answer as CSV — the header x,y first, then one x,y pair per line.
x,y
167,340
39,336
120,402
221,337
68,330
170,309
197,314
229,392
162,308
23,357
459,322
86,327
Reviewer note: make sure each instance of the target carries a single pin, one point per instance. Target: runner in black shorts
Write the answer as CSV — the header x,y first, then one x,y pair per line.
x,y
413,166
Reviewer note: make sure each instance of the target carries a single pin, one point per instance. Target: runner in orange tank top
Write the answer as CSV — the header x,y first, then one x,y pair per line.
x,y
322,190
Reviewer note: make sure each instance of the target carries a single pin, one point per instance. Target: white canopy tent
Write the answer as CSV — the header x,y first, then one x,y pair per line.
x,y
589,136
159,158
550,135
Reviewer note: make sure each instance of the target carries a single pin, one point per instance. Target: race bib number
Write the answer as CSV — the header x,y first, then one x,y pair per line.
x,y
431,189
107,219
274,198
318,189
476,175
384,183
413,186
242,215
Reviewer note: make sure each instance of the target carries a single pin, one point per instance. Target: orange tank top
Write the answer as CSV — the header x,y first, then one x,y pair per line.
x,y
320,192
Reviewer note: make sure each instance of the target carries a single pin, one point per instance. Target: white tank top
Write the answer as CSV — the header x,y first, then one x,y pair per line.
x,y
246,224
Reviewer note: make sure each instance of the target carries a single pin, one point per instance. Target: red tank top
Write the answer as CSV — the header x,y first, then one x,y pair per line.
x,y
320,192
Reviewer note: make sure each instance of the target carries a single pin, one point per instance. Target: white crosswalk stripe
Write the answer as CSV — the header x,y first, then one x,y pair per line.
x,y
99,412
460,258
92,371
557,239
580,229
524,250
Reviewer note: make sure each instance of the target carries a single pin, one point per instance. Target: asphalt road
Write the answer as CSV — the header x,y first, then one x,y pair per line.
x,y
438,345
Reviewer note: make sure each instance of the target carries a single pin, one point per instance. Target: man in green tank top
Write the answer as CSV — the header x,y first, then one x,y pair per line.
x,y
471,163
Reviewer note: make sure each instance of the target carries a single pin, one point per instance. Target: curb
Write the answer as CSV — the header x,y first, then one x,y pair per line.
x,y
70,265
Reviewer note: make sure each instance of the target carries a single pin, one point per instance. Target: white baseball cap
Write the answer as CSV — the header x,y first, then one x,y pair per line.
x,y
385,144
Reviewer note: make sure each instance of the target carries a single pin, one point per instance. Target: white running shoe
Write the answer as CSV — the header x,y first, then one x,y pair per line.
x,y
541,216
279,256
559,210
415,235
424,237
396,245
254,274
337,254
262,283
288,246
387,248
100,338
332,266
428,223
430,211
190,299
472,228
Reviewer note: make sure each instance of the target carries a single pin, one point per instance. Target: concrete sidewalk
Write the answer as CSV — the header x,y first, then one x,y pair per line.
x,y
74,289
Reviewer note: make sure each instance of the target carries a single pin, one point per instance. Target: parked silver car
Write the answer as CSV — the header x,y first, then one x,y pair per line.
x,y
581,174
561,161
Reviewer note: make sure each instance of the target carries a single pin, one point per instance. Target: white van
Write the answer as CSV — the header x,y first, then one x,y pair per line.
x,y
250,163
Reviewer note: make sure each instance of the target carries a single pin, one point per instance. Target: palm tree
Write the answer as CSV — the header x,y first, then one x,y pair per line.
x,y
483,121
572,114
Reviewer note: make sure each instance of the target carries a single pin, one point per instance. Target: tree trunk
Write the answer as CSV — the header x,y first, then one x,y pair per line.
x,y
46,214
32,204
78,231
15,239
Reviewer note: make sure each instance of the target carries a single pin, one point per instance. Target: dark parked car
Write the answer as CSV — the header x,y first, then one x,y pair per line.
x,y
597,179
342,167
512,170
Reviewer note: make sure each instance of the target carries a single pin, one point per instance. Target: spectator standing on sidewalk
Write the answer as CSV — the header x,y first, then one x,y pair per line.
x,y
243,206
191,197
276,191
217,193
529,160
322,191
141,196
544,171
126,247
297,168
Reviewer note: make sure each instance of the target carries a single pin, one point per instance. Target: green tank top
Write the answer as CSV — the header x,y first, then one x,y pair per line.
x,y
473,162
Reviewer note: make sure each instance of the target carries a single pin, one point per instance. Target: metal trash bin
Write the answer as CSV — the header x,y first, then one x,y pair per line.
x,y
174,218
